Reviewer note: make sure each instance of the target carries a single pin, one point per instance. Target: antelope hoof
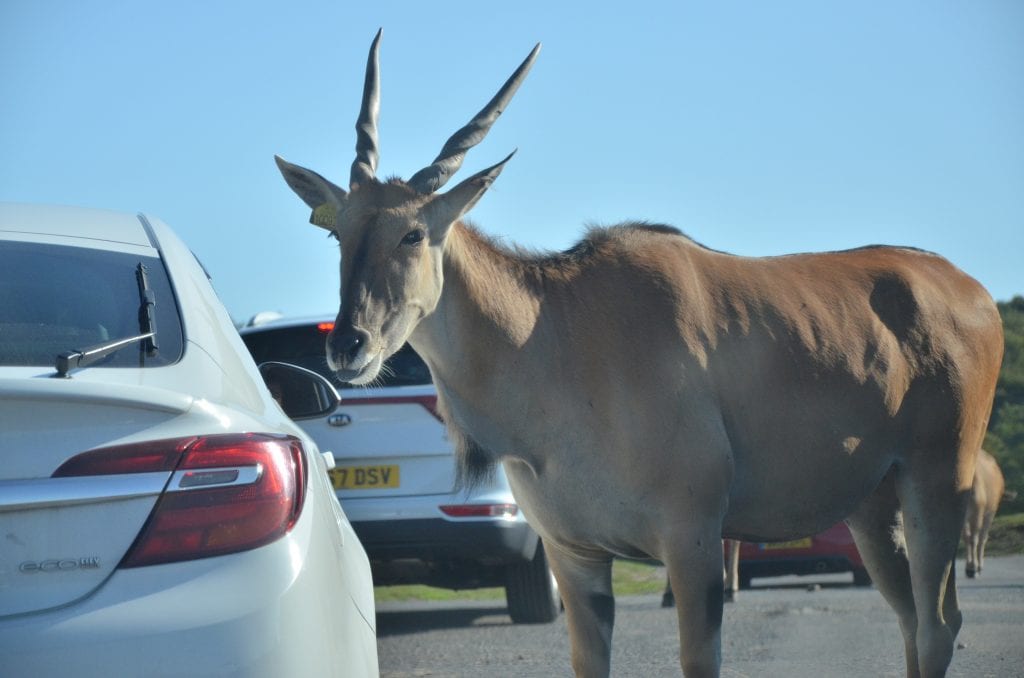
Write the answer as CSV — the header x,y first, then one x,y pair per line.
x,y
970,572
668,599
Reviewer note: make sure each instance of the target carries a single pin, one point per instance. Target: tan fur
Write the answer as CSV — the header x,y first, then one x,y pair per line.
x,y
986,493
648,396
730,575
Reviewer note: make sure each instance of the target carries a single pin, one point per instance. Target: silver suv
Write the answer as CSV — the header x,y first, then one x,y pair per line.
x,y
395,477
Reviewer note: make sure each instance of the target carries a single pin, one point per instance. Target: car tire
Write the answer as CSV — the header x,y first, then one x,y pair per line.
x,y
861,577
531,591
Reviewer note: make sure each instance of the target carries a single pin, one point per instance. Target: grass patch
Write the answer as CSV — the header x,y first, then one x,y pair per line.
x,y
631,578
628,578
406,592
1006,536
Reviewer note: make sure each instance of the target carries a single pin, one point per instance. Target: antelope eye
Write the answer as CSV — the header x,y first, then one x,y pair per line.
x,y
413,237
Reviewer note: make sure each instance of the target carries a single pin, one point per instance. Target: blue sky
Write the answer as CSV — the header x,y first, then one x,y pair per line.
x,y
758,128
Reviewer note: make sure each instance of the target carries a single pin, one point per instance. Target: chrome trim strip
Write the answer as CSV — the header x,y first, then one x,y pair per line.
x,y
41,493
187,480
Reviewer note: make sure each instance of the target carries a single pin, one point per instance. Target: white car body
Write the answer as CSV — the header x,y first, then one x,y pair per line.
x,y
301,604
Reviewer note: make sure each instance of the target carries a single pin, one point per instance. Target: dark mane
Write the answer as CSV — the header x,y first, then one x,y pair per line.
x,y
889,247
597,239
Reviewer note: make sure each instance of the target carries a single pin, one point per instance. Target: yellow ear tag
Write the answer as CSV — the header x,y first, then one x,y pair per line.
x,y
325,215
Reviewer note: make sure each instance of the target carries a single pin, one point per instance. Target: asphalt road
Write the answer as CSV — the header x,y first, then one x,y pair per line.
x,y
778,628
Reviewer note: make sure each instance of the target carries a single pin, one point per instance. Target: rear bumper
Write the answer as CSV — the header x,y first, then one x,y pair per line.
x,y
487,542
415,528
273,611
410,540
798,566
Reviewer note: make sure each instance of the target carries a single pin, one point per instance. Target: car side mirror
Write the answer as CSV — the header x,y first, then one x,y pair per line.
x,y
301,393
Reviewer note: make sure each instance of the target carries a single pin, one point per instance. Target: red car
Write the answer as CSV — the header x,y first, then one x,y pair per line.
x,y
827,552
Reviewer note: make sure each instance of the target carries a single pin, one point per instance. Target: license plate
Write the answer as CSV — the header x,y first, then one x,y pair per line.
x,y
364,477
795,544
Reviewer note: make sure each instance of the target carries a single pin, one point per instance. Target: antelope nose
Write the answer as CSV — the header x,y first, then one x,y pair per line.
x,y
347,343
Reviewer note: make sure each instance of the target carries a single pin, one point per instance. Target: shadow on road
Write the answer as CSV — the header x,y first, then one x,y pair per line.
x,y
422,616
400,623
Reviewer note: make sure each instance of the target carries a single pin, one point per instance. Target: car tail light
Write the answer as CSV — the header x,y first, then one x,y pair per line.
x,y
147,457
228,493
480,510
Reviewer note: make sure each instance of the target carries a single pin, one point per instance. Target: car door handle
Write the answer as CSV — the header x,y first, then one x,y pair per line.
x,y
339,419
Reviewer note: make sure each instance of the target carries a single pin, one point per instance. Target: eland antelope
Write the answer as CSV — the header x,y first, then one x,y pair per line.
x,y
986,493
647,395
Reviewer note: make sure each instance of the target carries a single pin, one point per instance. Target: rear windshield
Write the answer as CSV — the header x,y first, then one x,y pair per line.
x,y
306,346
55,299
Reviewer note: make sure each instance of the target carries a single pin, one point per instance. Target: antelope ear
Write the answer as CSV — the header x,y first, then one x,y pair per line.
x,y
445,209
323,197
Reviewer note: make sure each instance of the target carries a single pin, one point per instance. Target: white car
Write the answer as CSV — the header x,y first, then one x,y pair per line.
x,y
395,476
159,512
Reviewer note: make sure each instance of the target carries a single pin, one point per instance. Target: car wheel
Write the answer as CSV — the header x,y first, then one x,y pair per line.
x,y
861,577
532,592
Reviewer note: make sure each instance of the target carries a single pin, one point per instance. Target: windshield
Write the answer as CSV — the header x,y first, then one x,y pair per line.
x,y
55,299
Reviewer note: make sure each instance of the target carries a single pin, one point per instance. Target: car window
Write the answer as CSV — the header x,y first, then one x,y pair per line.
x,y
305,346
55,299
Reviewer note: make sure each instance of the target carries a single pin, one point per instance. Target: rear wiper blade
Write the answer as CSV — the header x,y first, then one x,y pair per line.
x,y
84,357
147,309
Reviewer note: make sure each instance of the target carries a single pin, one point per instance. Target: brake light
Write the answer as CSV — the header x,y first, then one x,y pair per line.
x,y
324,328
480,510
427,402
147,457
228,493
